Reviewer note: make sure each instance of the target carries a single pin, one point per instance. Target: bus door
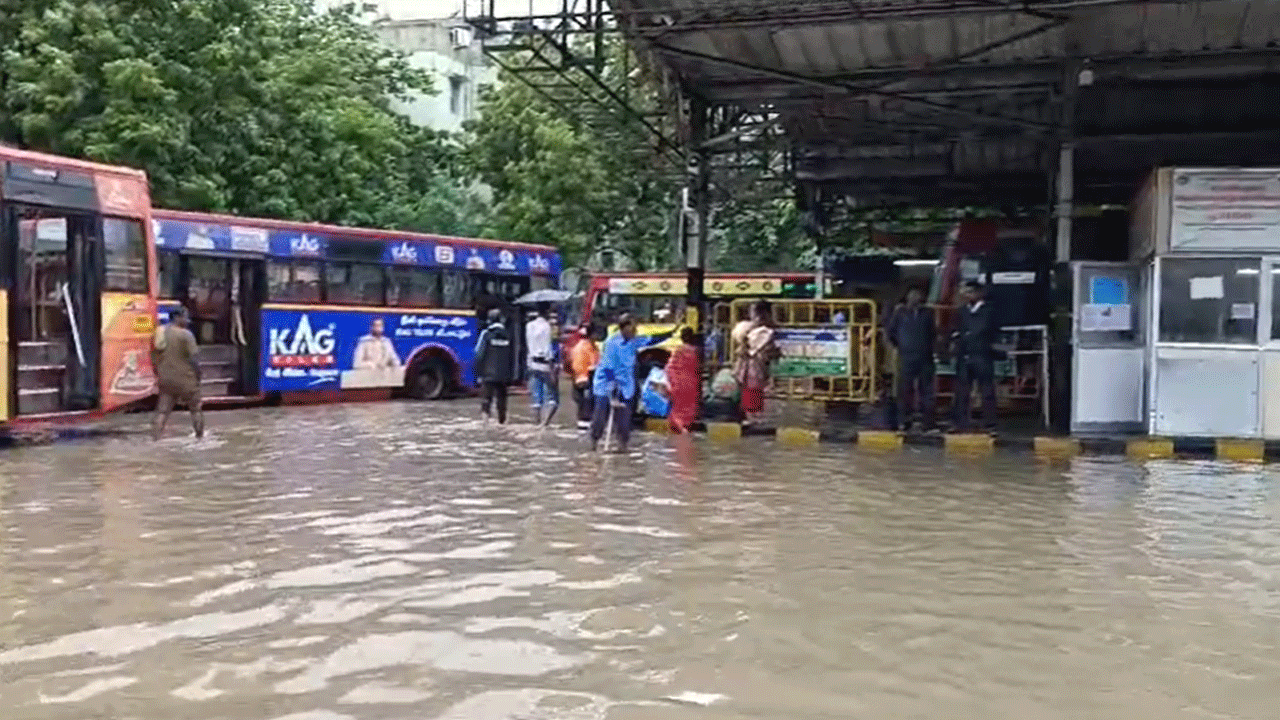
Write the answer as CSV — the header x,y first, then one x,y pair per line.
x,y
54,319
224,296
248,296
492,290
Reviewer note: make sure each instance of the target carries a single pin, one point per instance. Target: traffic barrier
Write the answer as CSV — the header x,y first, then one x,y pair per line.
x,y
797,436
830,348
1149,448
1240,450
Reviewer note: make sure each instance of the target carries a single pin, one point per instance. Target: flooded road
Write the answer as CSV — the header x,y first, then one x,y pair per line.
x,y
400,561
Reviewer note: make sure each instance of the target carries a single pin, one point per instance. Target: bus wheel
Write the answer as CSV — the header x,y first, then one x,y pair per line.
x,y
430,382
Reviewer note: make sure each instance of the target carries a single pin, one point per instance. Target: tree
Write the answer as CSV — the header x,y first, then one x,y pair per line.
x,y
588,174
256,107
574,174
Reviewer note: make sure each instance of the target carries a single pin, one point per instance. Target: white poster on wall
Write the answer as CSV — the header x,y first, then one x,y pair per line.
x,y
1225,210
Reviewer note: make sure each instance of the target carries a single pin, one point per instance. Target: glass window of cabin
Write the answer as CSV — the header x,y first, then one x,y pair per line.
x,y
293,280
125,246
167,273
1209,300
413,287
349,283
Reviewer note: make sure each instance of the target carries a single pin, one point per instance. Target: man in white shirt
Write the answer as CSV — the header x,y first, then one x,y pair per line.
x,y
543,390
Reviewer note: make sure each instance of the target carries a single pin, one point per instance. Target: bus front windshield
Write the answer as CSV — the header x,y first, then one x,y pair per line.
x,y
644,308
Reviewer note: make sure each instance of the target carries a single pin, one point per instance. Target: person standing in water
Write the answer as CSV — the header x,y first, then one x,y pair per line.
x,y
583,359
912,332
614,384
684,380
494,366
175,358
543,388
754,353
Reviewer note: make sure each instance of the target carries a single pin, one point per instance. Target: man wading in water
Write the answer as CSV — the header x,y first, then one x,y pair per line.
x,y
173,355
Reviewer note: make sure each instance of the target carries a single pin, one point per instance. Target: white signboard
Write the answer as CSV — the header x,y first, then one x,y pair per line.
x,y
1225,210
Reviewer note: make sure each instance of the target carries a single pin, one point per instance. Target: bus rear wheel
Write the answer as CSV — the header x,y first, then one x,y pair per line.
x,y
430,382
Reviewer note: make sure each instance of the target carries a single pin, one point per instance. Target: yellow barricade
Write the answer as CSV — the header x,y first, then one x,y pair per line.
x,y
830,348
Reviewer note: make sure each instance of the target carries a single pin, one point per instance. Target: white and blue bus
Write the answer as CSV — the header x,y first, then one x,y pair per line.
x,y
303,313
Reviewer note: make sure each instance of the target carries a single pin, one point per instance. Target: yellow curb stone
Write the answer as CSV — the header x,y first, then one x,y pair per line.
x,y
1149,448
797,436
880,440
657,425
969,443
1241,450
1057,446
721,431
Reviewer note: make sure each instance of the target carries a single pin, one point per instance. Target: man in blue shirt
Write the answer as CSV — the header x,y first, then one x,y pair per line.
x,y
614,383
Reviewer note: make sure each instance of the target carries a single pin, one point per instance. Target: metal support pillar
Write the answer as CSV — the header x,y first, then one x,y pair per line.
x,y
1065,199
1061,321
699,170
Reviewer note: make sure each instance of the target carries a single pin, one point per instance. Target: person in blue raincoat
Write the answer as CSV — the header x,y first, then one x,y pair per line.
x,y
614,383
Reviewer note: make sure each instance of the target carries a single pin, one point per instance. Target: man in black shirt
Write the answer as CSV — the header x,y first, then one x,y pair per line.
x,y
912,332
975,357
494,366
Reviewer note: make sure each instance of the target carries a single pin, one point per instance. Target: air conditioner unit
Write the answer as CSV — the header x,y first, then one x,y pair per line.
x,y
459,37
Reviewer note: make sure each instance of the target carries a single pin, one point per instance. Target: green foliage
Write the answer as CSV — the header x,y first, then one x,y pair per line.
x,y
255,107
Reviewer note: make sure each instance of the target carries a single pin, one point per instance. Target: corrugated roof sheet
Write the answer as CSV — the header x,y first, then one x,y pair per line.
x,y
917,88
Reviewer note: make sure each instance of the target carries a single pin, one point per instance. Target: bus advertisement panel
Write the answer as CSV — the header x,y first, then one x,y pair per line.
x,y
317,348
308,312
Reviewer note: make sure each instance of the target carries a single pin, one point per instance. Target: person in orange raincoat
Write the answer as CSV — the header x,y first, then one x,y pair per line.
x,y
684,383
583,360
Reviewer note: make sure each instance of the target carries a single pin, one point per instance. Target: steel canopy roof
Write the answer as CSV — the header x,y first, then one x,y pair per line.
x,y
962,101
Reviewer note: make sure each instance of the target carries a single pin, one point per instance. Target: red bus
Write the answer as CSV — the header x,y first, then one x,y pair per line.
x,y
78,290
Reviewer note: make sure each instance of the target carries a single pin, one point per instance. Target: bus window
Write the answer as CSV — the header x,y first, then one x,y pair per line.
x,y
168,274
293,280
354,284
457,290
126,254
644,308
413,287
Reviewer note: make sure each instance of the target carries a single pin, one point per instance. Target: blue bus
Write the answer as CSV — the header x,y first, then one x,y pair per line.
x,y
303,313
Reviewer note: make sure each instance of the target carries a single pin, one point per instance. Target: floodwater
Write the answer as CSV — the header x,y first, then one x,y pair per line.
x,y
401,561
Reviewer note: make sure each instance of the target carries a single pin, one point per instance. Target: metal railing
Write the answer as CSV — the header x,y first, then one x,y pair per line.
x,y
830,349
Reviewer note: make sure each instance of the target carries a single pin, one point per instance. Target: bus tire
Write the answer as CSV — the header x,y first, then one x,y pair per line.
x,y
431,378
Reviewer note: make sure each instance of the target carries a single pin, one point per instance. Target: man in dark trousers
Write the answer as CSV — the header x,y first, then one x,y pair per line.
x,y
494,366
975,357
912,333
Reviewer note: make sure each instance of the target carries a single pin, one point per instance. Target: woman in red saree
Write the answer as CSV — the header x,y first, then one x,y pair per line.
x,y
684,382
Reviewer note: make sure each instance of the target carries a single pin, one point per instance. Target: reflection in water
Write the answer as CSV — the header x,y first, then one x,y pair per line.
x,y
429,567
